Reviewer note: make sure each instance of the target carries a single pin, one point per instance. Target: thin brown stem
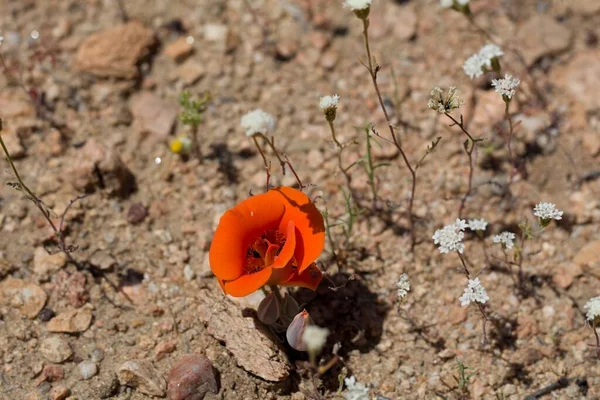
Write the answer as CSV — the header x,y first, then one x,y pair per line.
x,y
597,339
283,161
266,163
513,162
373,70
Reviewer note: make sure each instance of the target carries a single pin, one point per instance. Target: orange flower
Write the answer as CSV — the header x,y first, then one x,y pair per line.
x,y
268,239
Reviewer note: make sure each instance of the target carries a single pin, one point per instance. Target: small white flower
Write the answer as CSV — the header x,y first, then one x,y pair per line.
x,y
547,211
488,53
450,237
474,292
356,5
473,66
506,238
506,86
450,3
314,338
445,104
593,307
403,285
258,121
356,390
328,102
477,224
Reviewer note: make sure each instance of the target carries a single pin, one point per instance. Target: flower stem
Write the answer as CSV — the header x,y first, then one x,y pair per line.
x,y
479,305
283,159
373,70
597,339
509,142
266,163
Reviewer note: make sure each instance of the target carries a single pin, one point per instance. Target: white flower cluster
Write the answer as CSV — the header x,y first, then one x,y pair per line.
x,y
450,3
356,5
474,292
258,121
506,238
506,86
593,307
478,63
356,390
477,224
450,237
403,285
328,102
547,211
314,338
445,104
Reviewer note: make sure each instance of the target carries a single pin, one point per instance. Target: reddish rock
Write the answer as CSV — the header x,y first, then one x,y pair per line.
x,y
115,52
179,49
60,392
542,36
152,114
581,79
164,348
28,297
71,321
72,287
191,378
137,213
51,373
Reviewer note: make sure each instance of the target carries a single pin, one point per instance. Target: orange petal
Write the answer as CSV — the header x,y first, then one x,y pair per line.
x,y
287,252
310,228
237,230
247,284
310,278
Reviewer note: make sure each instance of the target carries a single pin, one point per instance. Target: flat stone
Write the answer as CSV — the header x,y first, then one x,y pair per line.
x,y
566,274
245,338
71,321
191,378
580,78
404,21
189,72
45,263
103,260
589,254
13,143
143,376
87,369
27,297
115,52
179,49
55,349
152,114
60,392
542,36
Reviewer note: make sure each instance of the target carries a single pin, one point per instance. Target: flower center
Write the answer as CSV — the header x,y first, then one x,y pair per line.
x,y
263,251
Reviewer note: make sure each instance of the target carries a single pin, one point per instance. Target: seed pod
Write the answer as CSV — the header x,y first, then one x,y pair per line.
x,y
296,329
268,309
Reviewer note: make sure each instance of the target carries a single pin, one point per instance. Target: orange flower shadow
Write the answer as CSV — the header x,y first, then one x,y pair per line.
x,y
268,239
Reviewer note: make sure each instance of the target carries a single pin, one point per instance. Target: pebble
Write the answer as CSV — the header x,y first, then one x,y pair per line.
x,y
45,263
189,72
188,272
28,297
143,376
152,114
164,348
88,369
179,49
103,260
71,321
589,254
55,349
137,213
542,36
581,79
59,392
191,378
116,51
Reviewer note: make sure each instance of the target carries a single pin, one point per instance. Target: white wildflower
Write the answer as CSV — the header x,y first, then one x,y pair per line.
x,y
473,67
474,292
356,390
450,237
506,238
477,224
547,211
445,104
488,53
328,102
450,3
356,5
314,338
258,121
403,285
593,307
506,86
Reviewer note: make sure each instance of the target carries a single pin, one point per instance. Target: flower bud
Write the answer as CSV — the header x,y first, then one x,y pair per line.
x,y
268,309
289,309
296,330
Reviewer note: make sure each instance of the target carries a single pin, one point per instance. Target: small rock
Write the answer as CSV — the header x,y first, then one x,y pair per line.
x,y
164,348
179,49
55,349
215,32
71,321
189,72
60,392
28,297
103,260
87,369
191,378
566,274
45,263
115,52
13,143
404,20
137,213
188,273
446,354
72,287
329,60
581,78
152,114
51,373
589,254
143,376
542,36
46,314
